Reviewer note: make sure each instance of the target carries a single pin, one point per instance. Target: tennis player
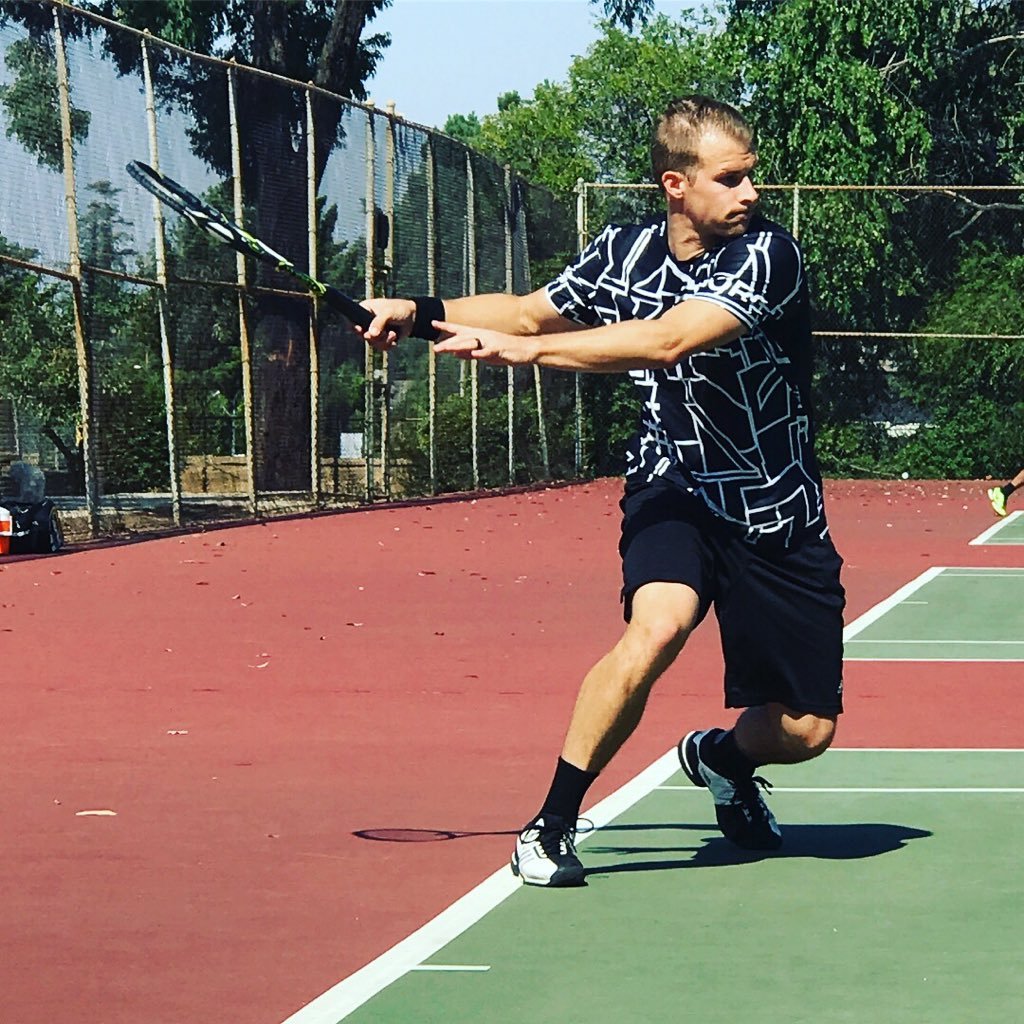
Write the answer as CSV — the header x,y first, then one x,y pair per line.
x,y
706,308
999,496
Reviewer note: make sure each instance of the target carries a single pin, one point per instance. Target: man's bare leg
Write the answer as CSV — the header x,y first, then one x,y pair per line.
x,y
609,706
614,692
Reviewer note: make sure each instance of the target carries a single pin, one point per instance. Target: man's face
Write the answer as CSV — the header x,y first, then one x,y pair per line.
x,y
720,197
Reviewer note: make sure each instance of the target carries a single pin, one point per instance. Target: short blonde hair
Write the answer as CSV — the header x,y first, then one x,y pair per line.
x,y
682,126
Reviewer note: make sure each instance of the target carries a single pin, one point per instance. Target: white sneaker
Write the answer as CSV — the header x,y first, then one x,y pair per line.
x,y
545,854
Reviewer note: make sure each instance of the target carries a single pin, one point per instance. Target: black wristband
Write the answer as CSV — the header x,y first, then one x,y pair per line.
x,y
428,308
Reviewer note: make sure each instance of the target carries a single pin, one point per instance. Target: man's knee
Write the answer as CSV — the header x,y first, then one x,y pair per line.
x,y
808,734
663,616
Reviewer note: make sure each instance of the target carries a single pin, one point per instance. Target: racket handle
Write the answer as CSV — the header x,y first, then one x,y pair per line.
x,y
347,305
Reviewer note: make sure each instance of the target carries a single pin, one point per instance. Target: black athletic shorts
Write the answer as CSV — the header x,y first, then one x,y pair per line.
x,y
780,612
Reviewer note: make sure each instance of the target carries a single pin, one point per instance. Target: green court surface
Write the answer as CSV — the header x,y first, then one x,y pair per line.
x,y
897,897
1006,531
947,614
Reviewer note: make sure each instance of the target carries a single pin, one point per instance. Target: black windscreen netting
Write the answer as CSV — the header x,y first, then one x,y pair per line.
x,y
145,365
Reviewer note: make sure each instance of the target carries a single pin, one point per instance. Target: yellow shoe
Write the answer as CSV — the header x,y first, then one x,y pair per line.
x,y
998,499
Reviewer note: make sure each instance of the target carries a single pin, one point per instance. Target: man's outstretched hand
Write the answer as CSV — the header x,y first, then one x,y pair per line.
x,y
485,346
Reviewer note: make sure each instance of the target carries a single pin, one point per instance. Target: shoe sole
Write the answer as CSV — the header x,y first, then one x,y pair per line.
x,y
563,878
692,772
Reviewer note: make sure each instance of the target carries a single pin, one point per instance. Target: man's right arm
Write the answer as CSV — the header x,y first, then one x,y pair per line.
x,y
523,315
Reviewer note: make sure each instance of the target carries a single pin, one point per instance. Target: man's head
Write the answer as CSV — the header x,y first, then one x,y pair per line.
x,y
703,154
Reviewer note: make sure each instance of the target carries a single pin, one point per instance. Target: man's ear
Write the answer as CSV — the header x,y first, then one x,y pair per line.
x,y
674,183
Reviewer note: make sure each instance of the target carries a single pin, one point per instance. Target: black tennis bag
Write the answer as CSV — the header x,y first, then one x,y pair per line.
x,y
36,527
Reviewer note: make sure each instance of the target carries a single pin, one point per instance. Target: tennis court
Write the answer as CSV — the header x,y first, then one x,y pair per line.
x,y
896,898
273,772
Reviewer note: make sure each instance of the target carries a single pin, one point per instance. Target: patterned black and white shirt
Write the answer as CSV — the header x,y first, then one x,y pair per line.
x,y
731,425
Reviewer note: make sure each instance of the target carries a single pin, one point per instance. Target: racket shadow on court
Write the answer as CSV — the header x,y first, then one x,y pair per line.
x,y
818,842
423,835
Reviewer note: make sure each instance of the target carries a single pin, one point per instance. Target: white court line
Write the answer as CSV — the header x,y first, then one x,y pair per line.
x,y
939,643
348,995
451,967
997,572
947,660
900,596
925,750
871,789
352,992
995,528
873,614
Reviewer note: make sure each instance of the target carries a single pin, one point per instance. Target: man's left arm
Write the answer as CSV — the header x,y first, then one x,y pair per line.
x,y
694,325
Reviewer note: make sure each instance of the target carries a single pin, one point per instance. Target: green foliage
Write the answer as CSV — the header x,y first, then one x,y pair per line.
x,y
31,102
120,322
843,92
37,353
454,433
958,443
610,412
972,389
464,127
626,13
986,296
854,450
304,40
597,125
830,102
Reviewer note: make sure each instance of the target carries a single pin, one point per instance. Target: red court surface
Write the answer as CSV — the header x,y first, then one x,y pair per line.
x,y
245,701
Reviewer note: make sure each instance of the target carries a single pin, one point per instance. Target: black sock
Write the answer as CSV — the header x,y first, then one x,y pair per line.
x,y
1007,490
721,753
568,788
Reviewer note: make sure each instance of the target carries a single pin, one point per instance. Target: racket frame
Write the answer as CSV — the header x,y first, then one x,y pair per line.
x,y
207,218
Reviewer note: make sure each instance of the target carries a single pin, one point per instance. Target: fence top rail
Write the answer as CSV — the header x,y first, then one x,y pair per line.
x,y
950,189
918,335
366,105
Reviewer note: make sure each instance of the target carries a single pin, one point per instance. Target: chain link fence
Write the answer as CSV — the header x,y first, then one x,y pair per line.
x,y
161,380
918,309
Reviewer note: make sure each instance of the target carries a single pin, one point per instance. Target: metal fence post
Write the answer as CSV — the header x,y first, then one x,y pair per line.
x,y
581,238
389,263
474,367
161,293
316,486
510,380
244,346
431,290
370,383
83,347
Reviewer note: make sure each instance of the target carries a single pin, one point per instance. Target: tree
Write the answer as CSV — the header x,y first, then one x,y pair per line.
x,y
37,363
842,92
883,92
464,127
973,432
597,124
304,40
30,100
626,13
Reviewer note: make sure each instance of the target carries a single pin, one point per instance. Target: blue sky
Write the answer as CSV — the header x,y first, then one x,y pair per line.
x,y
456,56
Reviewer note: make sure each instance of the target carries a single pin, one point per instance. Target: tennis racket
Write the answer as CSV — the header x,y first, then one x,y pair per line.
x,y
214,223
